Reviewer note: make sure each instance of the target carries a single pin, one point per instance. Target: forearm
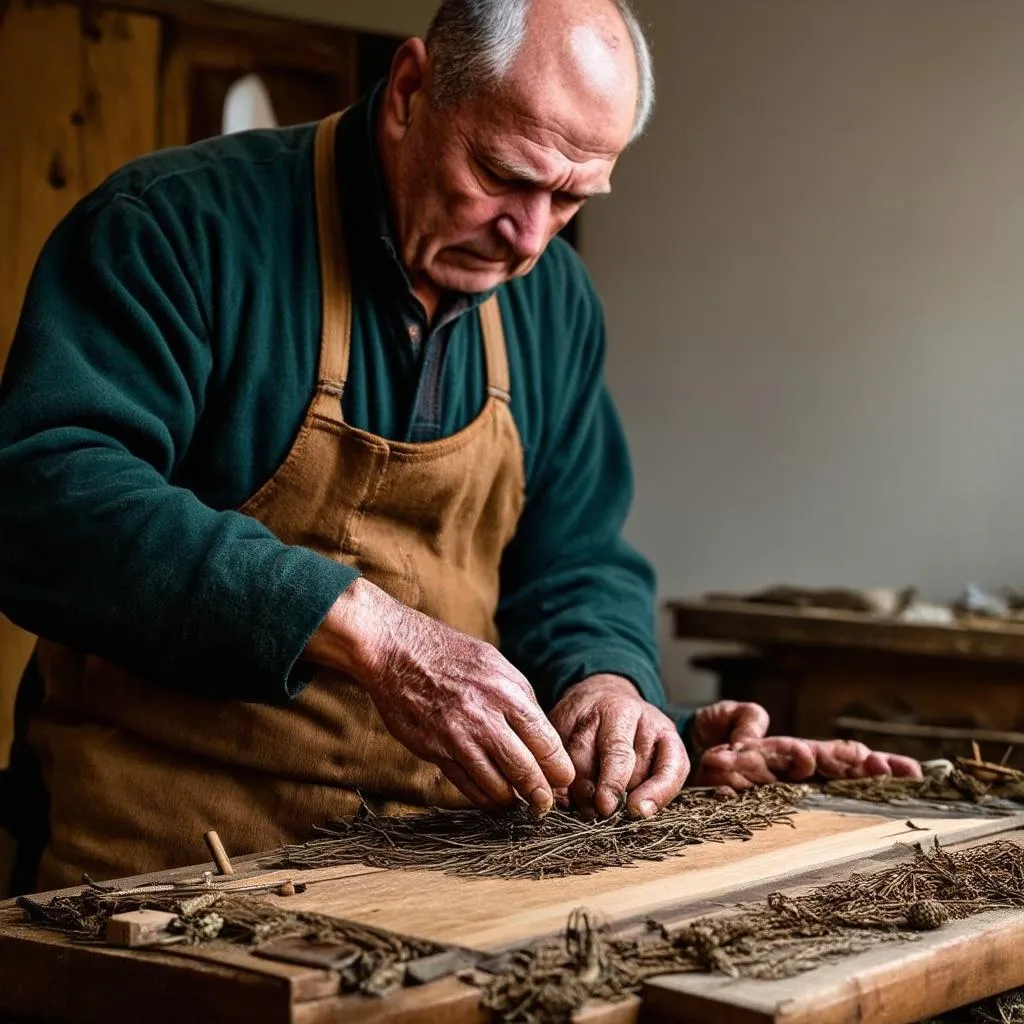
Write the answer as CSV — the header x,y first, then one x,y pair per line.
x,y
98,551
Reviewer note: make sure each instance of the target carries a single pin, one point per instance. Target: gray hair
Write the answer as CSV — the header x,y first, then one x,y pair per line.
x,y
473,43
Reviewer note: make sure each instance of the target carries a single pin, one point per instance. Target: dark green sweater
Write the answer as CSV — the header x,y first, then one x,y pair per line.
x,y
164,360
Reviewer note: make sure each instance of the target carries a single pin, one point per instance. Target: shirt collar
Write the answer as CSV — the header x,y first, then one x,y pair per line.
x,y
367,209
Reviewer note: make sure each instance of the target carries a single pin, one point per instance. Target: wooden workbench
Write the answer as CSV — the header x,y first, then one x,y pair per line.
x,y
923,690
45,976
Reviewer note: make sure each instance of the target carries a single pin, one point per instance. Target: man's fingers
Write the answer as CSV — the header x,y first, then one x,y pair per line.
x,y
541,738
874,764
904,767
668,770
616,758
462,782
722,765
644,745
727,721
486,775
840,759
788,758
521,770
749,722
582,749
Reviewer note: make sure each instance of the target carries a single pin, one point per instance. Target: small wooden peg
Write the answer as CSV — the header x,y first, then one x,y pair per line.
x,y
219,854
139,928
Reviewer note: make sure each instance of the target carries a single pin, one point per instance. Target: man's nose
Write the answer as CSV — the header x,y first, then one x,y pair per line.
x,y
526,227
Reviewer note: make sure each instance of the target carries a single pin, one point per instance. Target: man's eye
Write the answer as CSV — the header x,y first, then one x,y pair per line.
x,y
569,199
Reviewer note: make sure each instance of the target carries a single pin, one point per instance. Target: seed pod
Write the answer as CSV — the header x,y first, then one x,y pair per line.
x,y
926,915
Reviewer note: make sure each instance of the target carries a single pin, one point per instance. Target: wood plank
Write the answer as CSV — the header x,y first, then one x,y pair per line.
x,y
41,972
740,622
448,1000
491,914
892,984
87,984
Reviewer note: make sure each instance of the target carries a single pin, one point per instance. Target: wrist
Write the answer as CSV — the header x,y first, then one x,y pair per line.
x,y
609,683
353,636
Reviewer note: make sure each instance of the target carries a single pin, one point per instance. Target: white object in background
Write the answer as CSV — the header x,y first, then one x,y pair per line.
x,y
925,614
247,106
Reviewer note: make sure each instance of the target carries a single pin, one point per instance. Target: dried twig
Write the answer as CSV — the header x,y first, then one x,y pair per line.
x,y
241,920
780,938
516,846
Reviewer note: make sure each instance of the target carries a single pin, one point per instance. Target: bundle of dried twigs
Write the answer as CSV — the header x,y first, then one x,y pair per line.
x,y
378,957
779,938
515,845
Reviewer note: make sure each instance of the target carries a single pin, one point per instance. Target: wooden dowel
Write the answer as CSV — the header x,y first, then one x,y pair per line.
x,y
220,856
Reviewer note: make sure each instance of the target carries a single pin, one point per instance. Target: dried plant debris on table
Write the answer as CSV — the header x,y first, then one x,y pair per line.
x,y
780,938
378,957
967,780
514,845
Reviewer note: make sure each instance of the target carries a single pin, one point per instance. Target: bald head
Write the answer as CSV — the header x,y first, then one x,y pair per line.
x,y
592,50
576,64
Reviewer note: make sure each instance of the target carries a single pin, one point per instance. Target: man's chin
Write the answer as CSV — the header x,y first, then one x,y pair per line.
x,y
470,280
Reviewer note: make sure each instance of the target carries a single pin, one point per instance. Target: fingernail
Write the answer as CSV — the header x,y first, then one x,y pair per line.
x,y
540,802
648,808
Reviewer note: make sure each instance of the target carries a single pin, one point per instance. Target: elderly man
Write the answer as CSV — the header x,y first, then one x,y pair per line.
x,y
298,423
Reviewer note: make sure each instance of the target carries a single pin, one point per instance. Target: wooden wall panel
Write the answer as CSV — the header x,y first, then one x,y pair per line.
x,y
79,95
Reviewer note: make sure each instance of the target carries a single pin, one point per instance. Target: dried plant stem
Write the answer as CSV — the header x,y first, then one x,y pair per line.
x,y
780,938
516,846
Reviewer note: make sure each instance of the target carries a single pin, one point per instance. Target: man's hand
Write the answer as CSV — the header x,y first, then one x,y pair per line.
x,y
733,748
451,699
727,721
619,744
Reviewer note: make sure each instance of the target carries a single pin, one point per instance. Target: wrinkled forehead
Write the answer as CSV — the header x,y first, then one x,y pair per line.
x,y
553,119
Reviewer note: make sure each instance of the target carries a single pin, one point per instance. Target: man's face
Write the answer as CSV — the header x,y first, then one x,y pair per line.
x,y
480,189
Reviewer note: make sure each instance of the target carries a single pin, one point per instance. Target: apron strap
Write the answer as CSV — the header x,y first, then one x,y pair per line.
x,y
334,271
494,348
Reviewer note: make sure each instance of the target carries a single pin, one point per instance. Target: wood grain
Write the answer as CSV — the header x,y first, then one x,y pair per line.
x,y
88,984
962,962
766,626
491,914
75,108
42,973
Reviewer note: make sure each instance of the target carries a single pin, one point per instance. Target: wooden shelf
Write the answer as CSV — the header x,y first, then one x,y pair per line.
x,y
770,626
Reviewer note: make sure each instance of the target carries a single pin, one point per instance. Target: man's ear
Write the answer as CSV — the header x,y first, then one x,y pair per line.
x,y
407,86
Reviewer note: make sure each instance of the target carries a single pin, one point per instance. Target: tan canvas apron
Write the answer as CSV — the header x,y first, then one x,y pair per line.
x,y
136,773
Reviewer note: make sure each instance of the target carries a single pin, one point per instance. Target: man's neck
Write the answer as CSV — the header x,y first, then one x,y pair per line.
x,y
429,296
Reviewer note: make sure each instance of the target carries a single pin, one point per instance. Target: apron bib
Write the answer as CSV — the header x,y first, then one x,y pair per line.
x,y
137,773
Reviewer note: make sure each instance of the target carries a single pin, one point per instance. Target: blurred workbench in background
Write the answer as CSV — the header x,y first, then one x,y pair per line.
x,y
922,689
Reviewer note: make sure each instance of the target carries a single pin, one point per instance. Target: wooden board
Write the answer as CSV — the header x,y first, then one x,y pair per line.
x,y
762,625
895,983
42,974
492,914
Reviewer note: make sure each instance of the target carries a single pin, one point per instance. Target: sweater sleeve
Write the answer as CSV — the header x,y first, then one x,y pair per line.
x,y
107,379
577,599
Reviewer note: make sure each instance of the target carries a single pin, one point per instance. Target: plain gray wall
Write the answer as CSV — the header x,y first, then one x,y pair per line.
x,y
812,273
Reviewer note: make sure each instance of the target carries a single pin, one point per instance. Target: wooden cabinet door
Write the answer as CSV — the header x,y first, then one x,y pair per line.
x,y
79,95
